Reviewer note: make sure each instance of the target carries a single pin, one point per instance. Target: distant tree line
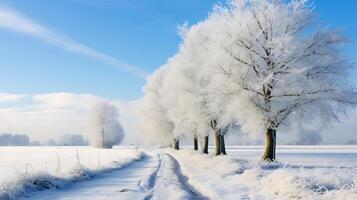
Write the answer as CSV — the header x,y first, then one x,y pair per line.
x,y
8,139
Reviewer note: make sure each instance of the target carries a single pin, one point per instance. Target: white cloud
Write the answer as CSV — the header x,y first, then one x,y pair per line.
x,y
5,97
63,100
51,115
14,21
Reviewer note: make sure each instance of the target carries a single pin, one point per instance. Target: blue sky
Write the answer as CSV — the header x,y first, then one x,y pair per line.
x,y
139,33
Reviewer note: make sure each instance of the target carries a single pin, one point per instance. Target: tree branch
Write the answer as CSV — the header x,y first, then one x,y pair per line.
x,y
302,93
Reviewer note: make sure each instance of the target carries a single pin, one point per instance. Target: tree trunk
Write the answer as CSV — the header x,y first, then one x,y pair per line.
x,y
218,143
176,144
270,145
195,143
223,146
205,145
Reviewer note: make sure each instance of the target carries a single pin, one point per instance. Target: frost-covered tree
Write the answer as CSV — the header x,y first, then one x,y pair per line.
x,y
183,101
104,126
282,67
187,93
154,123
261,64
191,103
171,107
201,60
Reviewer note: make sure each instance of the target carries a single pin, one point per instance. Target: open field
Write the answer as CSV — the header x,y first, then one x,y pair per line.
x,y
303,172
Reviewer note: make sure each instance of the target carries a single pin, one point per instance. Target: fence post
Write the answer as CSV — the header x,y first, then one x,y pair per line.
x,y
58,170
78,159
27,168
98,158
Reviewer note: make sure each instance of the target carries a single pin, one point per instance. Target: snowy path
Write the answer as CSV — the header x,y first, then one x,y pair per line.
x,y
214,176
156,176
172,184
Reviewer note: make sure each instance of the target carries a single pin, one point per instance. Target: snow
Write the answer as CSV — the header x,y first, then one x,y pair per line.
x,y
303,172
172,183
156,176
27,169
126,185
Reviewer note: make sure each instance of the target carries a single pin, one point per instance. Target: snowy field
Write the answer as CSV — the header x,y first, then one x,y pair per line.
x,y
25,169
303,172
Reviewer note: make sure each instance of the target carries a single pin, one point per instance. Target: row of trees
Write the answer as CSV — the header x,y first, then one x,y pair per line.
x,y
253,64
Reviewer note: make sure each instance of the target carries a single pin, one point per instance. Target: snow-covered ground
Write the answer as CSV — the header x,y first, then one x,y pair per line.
x,y
303,172
28,169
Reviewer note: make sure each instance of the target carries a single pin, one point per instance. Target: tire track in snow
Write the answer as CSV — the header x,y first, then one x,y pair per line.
x,y
152,180
194,193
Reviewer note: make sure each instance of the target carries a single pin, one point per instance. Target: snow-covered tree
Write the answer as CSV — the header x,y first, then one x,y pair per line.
x,y
259,64
104,126
154,123
283,68
196,63
182,100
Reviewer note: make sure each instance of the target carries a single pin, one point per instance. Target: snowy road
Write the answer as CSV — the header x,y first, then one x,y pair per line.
x,y
157,176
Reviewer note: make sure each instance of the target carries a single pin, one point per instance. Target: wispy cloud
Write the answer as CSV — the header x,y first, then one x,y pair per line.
x,y
14,21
